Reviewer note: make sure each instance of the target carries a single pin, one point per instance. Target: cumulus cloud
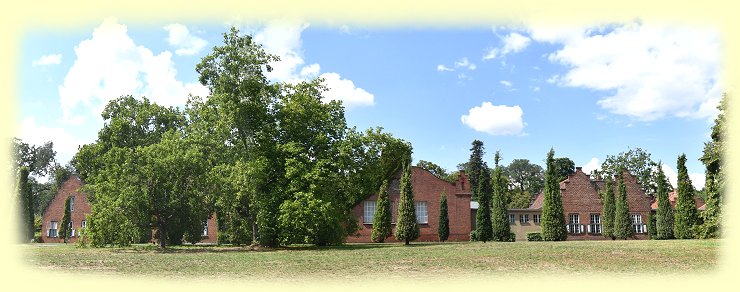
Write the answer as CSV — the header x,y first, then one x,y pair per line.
x,y
54,59
185,43
649,71
512,43
592,164
346,91
109,65
495,119
283,38
65,144
442,68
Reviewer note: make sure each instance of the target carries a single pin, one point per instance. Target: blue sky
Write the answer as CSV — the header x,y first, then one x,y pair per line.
x,y
587,92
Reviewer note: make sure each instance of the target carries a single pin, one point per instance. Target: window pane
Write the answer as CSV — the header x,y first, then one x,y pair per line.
x,y
369,212
421,212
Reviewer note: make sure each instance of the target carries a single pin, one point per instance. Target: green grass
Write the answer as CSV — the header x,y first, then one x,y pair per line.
x,y
420,260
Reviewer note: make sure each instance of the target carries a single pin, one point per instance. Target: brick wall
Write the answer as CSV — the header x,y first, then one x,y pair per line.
x,y
55,210
427,188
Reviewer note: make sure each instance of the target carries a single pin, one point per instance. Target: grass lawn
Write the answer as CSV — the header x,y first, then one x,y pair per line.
x,y
420,260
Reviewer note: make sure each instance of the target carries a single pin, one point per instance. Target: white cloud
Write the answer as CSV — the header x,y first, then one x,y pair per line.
x,y
592,164
442,68
697,179
513,42
185,42
346,91
109,65
464,63
54,59
505,83
536,89
495,119
65,144
283,38
650,71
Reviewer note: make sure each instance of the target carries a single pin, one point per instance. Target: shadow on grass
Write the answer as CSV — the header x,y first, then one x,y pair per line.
x,y
185,249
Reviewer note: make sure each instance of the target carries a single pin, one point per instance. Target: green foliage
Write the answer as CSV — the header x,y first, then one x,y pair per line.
x,y
652,226
664,214
407,229
525,176
443,229
519,199
534,236
82,240
622,220
686,214
66,229
39,160
25,200
637,161
564,166
307,219
475,166
607,201
553,219
383,216
714,183
474,235
484,227
499,224
435,169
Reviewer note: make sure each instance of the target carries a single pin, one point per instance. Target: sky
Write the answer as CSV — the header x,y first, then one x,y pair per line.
x,y
522,88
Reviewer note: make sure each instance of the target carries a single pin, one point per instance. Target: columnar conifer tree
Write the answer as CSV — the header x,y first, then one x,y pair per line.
x,y
26,203
553,219
664,220
622,221
713,159
407,228
475,167
483,215
382,217
500,226
65,229
686,215
607,197
443,229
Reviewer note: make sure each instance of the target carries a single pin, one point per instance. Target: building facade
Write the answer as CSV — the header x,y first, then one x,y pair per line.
x,y
428,190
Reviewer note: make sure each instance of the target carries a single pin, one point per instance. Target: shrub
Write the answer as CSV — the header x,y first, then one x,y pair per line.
x,y
534,236
473,235
512,237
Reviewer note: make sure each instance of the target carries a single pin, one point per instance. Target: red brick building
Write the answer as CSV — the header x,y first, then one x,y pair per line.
x,y
582,207
427,193
80,207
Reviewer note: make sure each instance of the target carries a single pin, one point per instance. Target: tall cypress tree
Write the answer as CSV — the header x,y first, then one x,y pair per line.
x,y
475,167
500,226
686,215
25,198
622,221
553,219
65,229
664,220
443,229
382,217
607,197
407,229
483,215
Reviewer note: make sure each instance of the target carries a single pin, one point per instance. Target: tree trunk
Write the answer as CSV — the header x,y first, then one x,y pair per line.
x,y
407,242
162,236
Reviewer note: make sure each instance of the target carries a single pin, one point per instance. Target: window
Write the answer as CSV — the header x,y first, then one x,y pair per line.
x,y
71,228
524,218
71,204
637,225
52,232
595,226
421,212
574,225
536,218
83,224
205,227
369,212
512,219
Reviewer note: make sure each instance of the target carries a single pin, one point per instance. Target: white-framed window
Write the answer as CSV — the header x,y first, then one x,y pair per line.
x,y
421,212
71,228
595,225
83,224
536,218
369,213
574,223
205,228
637,225
524,218
53,229
72,204
512,219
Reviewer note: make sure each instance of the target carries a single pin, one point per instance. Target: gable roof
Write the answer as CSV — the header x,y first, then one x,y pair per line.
x,y
700,205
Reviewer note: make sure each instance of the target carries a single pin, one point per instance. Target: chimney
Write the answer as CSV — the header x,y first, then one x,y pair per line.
x,y
579,169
